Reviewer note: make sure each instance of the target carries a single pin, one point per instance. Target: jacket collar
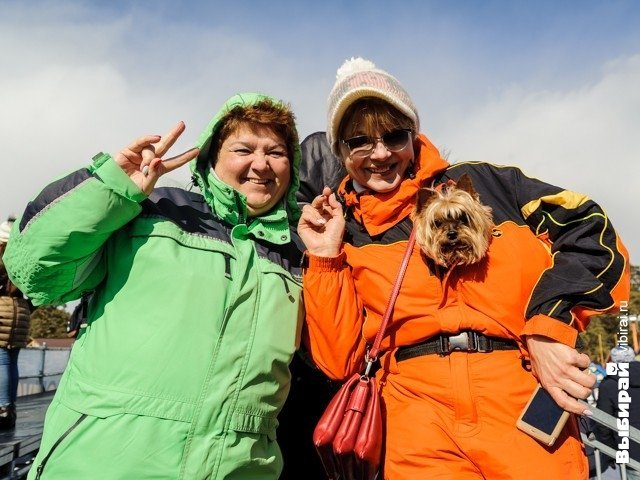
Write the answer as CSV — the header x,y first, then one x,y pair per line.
x,y
230,206
378,212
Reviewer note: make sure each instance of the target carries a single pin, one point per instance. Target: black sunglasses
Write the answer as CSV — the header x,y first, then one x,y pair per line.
x,y
363,145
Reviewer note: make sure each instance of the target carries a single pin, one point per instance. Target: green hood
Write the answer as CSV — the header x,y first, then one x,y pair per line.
x,y
229,204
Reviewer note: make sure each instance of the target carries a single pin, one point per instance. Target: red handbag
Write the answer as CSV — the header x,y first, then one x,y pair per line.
x,y
349,435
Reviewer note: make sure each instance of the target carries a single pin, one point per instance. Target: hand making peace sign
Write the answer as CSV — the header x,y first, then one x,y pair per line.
x,y
142,160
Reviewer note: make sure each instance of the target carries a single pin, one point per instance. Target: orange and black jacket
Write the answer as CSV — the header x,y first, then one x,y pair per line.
x,y
554,259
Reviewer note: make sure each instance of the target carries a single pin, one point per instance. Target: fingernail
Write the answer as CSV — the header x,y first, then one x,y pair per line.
x,y
145,170
321,221
588,413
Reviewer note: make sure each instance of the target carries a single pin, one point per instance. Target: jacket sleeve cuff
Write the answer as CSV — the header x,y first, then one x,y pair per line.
x,y
106,168
550,328
325,264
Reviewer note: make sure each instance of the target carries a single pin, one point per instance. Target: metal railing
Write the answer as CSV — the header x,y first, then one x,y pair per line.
x,y
42,373
42,364
608,421
40,369
16,458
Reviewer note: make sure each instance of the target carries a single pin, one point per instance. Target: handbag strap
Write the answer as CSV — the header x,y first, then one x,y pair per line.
x,y
374,351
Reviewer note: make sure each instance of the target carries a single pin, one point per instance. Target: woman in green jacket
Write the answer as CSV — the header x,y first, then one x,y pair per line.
x,y
195,310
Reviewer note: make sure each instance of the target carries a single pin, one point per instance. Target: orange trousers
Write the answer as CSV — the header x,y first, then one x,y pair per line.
x,y
454,417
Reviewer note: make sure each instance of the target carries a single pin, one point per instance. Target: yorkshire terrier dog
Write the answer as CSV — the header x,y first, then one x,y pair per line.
x,y
452,226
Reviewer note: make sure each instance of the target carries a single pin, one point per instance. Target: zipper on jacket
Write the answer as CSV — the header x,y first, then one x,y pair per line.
x,y
55,445
227,265
286,281
238,202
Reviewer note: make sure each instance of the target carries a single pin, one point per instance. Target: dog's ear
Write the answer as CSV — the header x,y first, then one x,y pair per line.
x,y
424,196
465,184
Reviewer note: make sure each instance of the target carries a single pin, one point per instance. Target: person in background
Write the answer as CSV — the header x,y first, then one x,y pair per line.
x,y
599,371
311,389
195,308
608,403
467,344
15,317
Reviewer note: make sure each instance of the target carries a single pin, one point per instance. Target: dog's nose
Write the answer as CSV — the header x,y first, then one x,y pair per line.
x,y
452,234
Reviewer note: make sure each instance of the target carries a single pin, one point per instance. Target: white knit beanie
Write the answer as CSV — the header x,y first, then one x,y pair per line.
x,y
358,78
622,354
5,230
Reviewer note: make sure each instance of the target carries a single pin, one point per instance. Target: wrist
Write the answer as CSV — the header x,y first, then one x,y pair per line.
x,y
324,263
550,328
325,252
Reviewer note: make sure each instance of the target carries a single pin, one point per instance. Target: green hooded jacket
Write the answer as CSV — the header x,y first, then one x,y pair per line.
x,y
194,316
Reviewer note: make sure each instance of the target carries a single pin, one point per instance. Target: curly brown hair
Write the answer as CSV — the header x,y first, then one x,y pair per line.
x,y
266,113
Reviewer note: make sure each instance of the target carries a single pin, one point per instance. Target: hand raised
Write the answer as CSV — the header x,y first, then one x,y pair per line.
x,y
321,225
142,160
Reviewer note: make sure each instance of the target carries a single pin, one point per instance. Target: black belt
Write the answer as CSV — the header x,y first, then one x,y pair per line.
x,y
468,341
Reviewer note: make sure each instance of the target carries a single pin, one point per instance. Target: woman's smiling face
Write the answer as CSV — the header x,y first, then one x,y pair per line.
x,y
381,170
255,162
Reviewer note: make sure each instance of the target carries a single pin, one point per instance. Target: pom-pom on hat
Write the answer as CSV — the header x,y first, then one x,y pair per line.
x,y
358,78
622,354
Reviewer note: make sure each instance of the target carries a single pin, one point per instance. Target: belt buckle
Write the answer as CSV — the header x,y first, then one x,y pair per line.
x,y
460,342
465,341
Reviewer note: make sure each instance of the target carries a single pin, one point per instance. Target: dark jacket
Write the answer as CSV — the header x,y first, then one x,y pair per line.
x,y
311,391
319,168
15,312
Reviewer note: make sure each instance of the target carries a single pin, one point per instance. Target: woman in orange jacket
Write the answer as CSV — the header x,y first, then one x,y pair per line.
x,y
467,345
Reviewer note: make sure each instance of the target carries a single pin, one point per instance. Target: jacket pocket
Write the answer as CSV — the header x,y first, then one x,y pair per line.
x,y
291,285
56,444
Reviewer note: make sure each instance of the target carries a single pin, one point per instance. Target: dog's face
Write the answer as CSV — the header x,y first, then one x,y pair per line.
x,y
452,226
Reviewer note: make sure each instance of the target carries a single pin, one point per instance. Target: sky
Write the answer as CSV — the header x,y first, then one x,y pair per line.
x,y
549,86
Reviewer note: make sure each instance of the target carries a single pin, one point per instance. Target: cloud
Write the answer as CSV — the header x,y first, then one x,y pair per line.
x,y
81,79
74,85
581,139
